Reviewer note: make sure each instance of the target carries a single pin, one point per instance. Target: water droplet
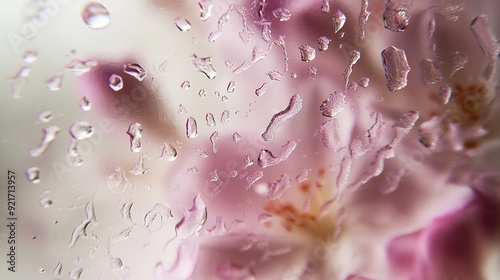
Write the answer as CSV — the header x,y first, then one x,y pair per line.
x,y
338,20
294,106
333,105
488,42
85,104
307,53
54,83
160,212
236,137
210,120
293,75
135,133
262,89
46,116
444,94
182,24
191,128
193,219
278,188
45,202
282,14
247,161
213,139
33,175
80,67
267,159
205,9
115,82
354,56
231,86
253,178
458,61
181,110
323,43
325,6
118,182
233,173
168,153
313,71
364,14
57,269
135,70
96,16
49,134
275,75
204,65
41,270
202,93
75,273
429,72
139,168
116,264
81,130
395,15
396,68
364,82
224,118
30,56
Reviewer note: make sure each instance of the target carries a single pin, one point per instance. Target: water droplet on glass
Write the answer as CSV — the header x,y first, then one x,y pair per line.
x,y
282,14
139,168
275,75
75,273
46,116
81,130
181,110
293,75
204,65
444,94
429,72
458,61
182,24
323,43
85,104
247,161
205,9
224,118
54,83
485,37
278,188
231,86
168,153
294,107
313,71
33,175
307,53
202,93
253,178
213,139
364,82
45,202
57,269
364,14
203,154
236,137
396,68
115,82
41,270
213,176
338,20
118,182
191,128
135,133
333,105
193,219
49,134
96,16
135,70
116,264
80,67
30,56
266,158
262,89
210,119
20,81
396,18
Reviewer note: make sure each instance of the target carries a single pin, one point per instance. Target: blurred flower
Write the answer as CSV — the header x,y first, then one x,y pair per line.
x,y
327,192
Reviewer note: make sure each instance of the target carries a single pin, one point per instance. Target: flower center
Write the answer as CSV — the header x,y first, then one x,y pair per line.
x,y
316,216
